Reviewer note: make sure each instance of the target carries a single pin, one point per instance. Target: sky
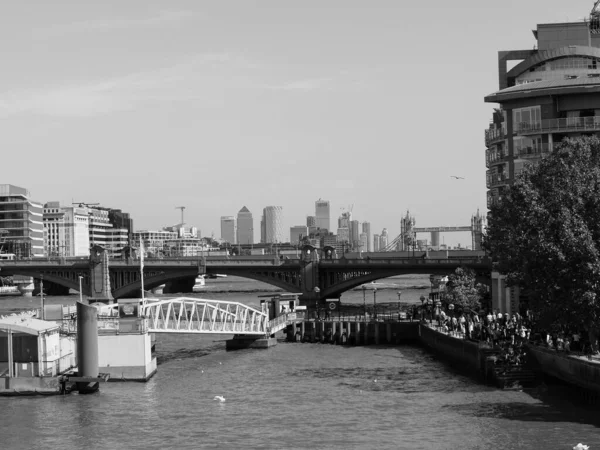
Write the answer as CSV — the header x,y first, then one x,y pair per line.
x,y
149,105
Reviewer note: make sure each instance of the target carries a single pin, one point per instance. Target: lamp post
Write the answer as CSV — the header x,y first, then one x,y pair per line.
x,y
42,295
399,296
422,298
80,290
316,290
375,303
364,289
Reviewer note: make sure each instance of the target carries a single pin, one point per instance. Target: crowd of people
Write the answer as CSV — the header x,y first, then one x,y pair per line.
x,y
507,333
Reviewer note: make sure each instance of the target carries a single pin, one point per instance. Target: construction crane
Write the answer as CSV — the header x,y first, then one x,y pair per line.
x,y
595,18
181,208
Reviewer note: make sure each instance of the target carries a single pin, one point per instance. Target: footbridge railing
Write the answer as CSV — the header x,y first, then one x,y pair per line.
x,y
201,316
282,321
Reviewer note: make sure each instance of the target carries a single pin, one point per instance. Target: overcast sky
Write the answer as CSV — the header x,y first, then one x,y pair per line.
x,y
213,105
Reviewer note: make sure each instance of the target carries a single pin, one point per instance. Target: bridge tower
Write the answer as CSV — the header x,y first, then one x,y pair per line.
x,y
407,224
100,290
477,224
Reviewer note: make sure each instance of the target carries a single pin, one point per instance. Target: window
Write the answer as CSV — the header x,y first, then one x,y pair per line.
x,y
527,118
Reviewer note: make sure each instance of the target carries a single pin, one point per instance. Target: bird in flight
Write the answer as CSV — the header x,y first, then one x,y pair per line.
x,y
458,178
220,398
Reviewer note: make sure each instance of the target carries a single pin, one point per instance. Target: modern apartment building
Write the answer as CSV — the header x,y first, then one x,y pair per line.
x,y
552,92
245,227
322,215
228,229
271,225
21,223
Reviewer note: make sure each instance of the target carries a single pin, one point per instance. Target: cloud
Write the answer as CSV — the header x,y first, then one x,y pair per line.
x,y
159,19
179,82
308,84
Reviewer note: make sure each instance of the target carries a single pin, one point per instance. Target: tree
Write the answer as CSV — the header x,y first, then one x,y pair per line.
x,y
544,233
462,291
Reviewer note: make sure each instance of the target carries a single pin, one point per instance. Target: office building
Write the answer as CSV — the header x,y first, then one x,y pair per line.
x,y
245,227
553,92
21,223
322,217
298,233
354,234
272,225
362,242
383,240
228,229
66,230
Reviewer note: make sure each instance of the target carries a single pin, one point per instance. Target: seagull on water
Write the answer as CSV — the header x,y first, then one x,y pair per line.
x,y
581,446
457,178
220,398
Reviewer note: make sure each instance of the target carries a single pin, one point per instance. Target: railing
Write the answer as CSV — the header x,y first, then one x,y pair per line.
x,y
535,151
494,134
493,157
403,261
557,125
496,179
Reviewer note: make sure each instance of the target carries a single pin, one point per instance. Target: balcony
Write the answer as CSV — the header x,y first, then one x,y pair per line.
x,y
532,152
568,125
493,135
494,157
496,179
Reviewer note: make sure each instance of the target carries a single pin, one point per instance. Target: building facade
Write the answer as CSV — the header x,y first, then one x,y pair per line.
x,y
552,93
228,229
298,233
21,223
366,229
376,241
66,230
272,225
245,227
322,215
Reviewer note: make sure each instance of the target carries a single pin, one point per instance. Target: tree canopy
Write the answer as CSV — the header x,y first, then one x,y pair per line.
x,y
544,233
462,290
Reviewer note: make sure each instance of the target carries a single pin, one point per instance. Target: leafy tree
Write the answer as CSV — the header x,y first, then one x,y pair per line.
x,y
462,290
544,233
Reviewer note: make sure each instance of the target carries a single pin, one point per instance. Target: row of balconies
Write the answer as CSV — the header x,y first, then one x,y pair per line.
x,y
525,152
570,124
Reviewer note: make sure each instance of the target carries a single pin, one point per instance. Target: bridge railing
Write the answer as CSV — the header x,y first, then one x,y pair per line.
x,y
406,261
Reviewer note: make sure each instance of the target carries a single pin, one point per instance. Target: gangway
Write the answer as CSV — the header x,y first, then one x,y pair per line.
x,y
202,316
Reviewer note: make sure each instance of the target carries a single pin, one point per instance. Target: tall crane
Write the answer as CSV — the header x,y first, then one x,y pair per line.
x,y
595,18
181,208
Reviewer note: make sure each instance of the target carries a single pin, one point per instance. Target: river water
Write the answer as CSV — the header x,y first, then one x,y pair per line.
x,y
296,396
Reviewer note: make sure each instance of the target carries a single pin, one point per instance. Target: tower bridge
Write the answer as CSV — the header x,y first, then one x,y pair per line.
x,y
315,276
407,239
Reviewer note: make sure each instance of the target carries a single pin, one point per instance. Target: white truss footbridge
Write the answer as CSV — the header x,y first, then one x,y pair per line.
x,y
202,316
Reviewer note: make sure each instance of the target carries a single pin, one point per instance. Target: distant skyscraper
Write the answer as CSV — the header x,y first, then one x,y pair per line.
x,y
376,242
383,240
354,234
228,229
245,227
366,228
344,220
311,223
362,242
272,225
322,214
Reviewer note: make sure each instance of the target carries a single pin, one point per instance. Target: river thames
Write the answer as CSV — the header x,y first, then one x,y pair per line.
x,y
297,396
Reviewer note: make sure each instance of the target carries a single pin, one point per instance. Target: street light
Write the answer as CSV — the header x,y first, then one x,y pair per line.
x,y
316,290
399,296
375,303
422,298
80,290
42,295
